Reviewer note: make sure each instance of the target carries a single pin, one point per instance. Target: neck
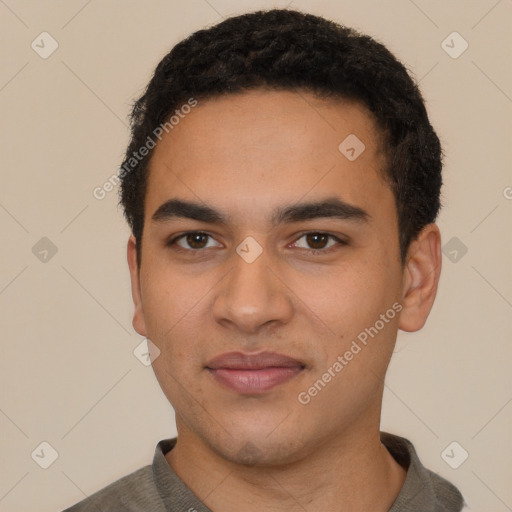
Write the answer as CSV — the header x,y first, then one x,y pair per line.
x,y
352,472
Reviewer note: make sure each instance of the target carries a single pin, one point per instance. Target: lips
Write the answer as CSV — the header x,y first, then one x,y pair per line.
x,y
253,373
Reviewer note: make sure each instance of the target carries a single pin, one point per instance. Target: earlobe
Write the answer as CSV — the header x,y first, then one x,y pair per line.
x,y
138,315
421,277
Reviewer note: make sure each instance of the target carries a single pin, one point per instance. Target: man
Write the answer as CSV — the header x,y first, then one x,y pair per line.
x,y
281,184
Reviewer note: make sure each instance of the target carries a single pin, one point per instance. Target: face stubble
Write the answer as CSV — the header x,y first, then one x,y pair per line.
x,y
246,155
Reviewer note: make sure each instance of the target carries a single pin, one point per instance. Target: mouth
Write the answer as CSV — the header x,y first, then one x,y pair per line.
x,y
253,373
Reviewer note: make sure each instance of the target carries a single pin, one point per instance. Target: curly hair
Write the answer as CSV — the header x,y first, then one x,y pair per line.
x,y
284,49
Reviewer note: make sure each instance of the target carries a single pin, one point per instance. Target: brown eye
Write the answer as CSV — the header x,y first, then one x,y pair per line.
x,y
318,243
191,241
196,240
317,240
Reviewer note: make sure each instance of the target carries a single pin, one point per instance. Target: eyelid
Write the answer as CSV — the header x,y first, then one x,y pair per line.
x,y
172,241
340,241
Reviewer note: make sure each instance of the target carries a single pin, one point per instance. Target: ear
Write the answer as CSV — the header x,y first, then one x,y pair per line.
x,y
139,323
421,277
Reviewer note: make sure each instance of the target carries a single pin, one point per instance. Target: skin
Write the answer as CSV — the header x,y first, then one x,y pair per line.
x,y
245,155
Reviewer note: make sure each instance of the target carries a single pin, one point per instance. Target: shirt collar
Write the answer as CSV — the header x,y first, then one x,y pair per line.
x,y
421,487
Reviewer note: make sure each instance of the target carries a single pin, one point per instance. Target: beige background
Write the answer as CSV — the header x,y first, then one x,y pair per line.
x,y
68,373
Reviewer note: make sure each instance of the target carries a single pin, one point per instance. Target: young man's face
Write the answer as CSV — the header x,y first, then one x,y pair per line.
x,y
250,157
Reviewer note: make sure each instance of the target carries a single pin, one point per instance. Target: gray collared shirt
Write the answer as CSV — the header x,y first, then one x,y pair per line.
x,y
157,488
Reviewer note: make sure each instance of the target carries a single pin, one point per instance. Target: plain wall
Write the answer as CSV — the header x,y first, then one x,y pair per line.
x,y
69,376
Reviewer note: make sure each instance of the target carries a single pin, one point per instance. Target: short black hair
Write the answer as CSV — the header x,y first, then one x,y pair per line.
x,y
284,49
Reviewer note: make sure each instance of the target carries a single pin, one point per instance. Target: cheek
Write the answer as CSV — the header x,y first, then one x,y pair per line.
x,y
359,309
351,295
169,298
181,384
174,305
180,363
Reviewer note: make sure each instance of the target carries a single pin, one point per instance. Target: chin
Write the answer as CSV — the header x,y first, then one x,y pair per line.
x,y
256,447
256,454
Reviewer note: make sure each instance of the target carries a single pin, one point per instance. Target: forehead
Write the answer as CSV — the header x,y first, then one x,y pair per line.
x,y
258,150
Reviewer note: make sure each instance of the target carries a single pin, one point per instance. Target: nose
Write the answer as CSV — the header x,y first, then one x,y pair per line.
x,y
252,296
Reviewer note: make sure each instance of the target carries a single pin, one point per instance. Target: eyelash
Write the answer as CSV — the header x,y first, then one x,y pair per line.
x,y
339,241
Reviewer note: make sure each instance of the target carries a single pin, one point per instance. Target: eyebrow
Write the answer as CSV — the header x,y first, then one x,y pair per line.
x,y
328,208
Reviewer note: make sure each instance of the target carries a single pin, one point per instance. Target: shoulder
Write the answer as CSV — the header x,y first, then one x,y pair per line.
x,y
134,492
448,497
423,489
